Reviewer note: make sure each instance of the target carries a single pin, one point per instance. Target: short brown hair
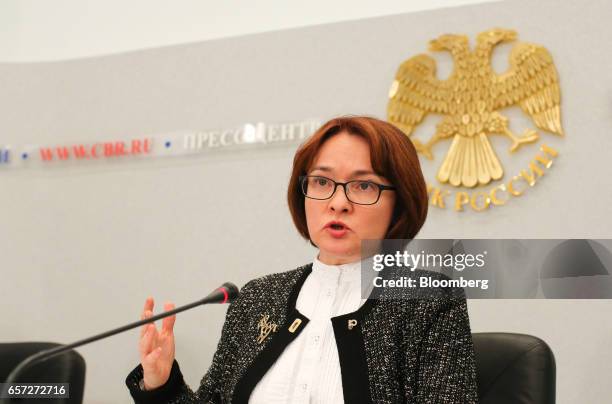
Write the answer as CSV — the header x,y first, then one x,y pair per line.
x,y
392,155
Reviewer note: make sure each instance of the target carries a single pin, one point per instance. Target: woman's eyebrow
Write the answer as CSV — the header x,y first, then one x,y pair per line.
x,y
356,172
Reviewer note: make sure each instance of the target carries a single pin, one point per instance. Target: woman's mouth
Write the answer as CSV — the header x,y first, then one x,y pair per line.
x,y
336,230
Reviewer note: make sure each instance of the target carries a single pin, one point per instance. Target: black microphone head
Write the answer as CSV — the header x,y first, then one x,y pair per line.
x,y
232,291
223,294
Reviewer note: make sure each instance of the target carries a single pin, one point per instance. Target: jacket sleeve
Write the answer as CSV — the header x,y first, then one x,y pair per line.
x,y
176,390
447,365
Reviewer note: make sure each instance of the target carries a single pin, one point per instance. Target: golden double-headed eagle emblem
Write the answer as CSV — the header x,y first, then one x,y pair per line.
x,y
265,326
470,100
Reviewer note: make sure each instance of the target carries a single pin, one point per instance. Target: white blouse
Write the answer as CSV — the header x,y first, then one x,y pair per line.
x,y
308,370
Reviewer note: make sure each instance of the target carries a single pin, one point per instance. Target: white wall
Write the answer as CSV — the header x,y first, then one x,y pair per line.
x,y
34,30
83,247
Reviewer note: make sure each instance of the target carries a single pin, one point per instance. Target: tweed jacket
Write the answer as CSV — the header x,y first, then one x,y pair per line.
x,y
391,350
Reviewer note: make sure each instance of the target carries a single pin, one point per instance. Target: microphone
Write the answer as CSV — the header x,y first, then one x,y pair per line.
x,y
226,293
223,294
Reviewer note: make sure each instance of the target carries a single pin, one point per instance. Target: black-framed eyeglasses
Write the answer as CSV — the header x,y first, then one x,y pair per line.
x,y
361,192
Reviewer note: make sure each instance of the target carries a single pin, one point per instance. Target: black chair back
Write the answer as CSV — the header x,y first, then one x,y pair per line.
x,y
514,369
68,367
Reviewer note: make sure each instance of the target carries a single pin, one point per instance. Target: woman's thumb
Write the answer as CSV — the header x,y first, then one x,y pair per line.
x,y
153,355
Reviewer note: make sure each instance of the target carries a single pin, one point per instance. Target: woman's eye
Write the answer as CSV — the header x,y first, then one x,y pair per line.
x,y
364,186
321,181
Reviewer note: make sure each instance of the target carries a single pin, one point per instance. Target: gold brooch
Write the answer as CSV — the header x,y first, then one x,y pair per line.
x,y
265,327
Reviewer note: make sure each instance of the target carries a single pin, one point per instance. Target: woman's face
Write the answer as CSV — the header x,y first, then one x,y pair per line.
x,y
344,157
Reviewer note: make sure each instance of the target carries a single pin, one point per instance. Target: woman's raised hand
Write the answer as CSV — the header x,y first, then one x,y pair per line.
x,y
156,347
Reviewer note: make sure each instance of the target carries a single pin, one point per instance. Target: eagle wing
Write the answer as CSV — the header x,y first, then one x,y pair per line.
x,y
415,92
531,82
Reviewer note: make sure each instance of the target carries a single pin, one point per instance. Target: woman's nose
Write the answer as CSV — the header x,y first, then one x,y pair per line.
x,y
339,199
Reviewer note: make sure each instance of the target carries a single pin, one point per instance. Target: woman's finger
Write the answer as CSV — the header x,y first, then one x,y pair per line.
x,y
149,303
148,307
168,322
143,328
154,336
147,341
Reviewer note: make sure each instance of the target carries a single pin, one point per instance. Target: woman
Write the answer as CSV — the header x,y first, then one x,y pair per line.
x,y
307,335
